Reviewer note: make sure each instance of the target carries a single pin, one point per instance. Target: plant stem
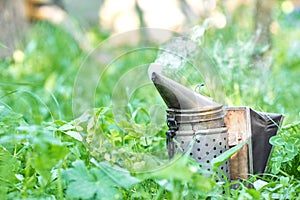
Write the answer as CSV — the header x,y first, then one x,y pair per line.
x,y
59,185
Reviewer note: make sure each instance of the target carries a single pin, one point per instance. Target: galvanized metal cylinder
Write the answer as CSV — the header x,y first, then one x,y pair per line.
x,y
200,132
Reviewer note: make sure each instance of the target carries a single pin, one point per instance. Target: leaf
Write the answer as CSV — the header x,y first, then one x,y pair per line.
x,y
268,186
100,182
74,135
276,167
45,156
259,184
277,158
290,148
66,127
78,171
275,188
115,175
9,166
181,170
277,140
83,184
254,193
9,120
291,151
284,180
218,161
82,189
178,164
294,140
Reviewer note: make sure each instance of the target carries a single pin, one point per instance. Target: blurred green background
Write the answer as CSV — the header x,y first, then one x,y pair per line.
x,y
43,67
60,62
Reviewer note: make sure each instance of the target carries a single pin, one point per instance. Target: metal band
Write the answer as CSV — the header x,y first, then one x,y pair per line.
x,y
202,132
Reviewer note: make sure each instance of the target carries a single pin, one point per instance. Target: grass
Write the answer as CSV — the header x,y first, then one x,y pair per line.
x,y
116,149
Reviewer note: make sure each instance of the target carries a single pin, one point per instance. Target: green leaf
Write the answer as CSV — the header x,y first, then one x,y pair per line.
x,y
82,189
181,170
100,182
277,158
66,127
115,175
74,135
276,167
290,148
290,151
259,184
277,140
254,193
83,184
178,164
218,161
45,156
79,171
9,166
294,140
284,180
9,120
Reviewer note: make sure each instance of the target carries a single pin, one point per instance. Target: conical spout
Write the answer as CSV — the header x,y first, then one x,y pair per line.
x,y
178,96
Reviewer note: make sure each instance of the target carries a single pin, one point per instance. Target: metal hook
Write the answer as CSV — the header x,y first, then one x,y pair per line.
x,y
198,87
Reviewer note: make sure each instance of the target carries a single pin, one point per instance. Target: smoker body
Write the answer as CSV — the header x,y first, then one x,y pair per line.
x,y
199,132
196,124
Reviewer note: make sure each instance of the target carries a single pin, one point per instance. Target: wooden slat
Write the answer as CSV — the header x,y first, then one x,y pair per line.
x,y
237,122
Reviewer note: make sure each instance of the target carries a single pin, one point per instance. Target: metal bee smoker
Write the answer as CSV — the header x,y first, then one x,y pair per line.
x,y
205,129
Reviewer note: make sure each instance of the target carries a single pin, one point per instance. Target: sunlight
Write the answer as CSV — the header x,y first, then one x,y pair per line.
x,y
219,20
287,7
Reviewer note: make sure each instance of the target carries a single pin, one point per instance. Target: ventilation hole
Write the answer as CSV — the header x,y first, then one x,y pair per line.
x,y
225,146
220,143
208,169
182,149
215,148
191,154
207,161
200,166
222,168
214,140
206,144
199,158
221,151
198,141
182,142
225,138
198,149
215,156
207,153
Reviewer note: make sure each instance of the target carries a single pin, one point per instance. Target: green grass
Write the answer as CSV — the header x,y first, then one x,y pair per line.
x,y
117,150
